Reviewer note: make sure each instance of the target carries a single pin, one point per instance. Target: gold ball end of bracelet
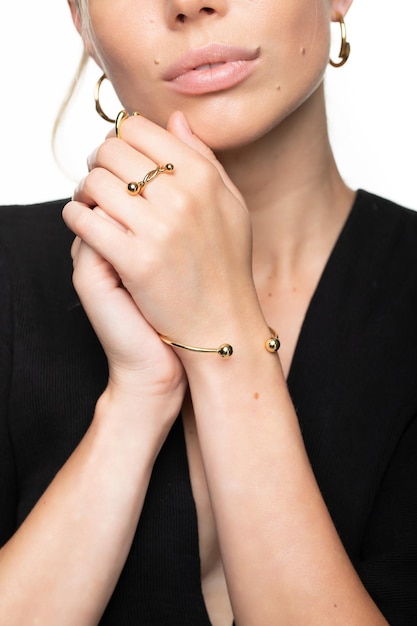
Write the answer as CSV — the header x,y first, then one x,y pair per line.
x,y
169,167
272,344
225,350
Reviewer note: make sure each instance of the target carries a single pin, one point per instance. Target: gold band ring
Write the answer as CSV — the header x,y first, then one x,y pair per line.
x,y
121,117
136,189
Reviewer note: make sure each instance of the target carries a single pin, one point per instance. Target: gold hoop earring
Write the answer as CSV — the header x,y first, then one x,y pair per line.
x,y
97,100
344,46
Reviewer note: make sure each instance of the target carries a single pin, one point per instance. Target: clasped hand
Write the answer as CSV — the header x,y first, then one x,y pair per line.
x,y
175,260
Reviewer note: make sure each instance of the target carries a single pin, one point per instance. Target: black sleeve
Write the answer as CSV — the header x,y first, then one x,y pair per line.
x,y
388,564
8,483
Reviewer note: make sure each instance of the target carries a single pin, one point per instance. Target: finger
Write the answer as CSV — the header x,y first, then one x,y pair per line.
x,y
97,231
104,234
178,126
127,164
75,247
121,159
109,306
93,275
103,189
131,344
179,145
155,142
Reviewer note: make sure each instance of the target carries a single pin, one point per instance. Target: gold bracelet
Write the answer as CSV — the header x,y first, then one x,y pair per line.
x,y
225,351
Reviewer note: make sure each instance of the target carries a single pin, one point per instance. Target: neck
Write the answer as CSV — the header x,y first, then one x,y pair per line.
x,y
293,190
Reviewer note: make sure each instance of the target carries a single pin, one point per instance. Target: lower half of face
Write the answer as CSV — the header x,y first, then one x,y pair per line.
x,y
236,68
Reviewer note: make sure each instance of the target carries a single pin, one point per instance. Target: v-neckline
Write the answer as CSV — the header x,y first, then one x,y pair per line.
x,y
321,285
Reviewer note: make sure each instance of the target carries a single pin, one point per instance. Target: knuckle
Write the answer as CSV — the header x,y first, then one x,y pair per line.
x,y
78,279
94,181
104,152
183,202
82,223
76,216
211,175
75,248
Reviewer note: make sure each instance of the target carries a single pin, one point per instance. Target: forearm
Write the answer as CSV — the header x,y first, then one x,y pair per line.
x,y
63,563
283,559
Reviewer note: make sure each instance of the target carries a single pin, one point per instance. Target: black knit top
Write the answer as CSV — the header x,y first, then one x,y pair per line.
x,y
353,381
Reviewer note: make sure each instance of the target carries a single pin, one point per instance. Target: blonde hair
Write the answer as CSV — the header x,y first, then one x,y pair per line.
x,y
82,7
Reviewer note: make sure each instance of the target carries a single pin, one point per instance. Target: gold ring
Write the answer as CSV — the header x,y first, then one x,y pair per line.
x,y
136,189
121,117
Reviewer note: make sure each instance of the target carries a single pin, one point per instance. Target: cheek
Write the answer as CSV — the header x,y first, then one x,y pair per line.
x,y
305,37
128,54
122,36
300,54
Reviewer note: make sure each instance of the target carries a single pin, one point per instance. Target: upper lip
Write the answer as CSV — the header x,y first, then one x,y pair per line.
x,y
207,55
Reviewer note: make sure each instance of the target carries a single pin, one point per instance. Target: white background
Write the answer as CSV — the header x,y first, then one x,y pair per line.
x,y
372,101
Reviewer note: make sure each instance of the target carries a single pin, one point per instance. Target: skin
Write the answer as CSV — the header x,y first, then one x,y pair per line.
x,y
231,242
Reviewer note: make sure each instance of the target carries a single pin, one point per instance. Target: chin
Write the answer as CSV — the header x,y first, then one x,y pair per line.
x,y
230,130
224,128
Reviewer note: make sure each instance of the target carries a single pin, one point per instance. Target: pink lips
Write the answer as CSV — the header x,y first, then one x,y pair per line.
x,y
211,68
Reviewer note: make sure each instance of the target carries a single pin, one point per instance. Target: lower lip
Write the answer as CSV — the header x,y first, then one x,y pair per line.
x,y
219,78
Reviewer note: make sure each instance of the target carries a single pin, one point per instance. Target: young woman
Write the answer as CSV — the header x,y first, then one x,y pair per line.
x,y
162,462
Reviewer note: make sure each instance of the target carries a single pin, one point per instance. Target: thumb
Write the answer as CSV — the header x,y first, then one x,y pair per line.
x,y
178,125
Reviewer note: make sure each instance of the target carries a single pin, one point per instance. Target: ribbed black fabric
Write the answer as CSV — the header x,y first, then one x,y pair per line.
x,y
353,381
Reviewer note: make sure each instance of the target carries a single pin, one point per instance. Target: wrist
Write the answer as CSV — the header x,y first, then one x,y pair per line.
x,y
253,357
224,350
135,418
